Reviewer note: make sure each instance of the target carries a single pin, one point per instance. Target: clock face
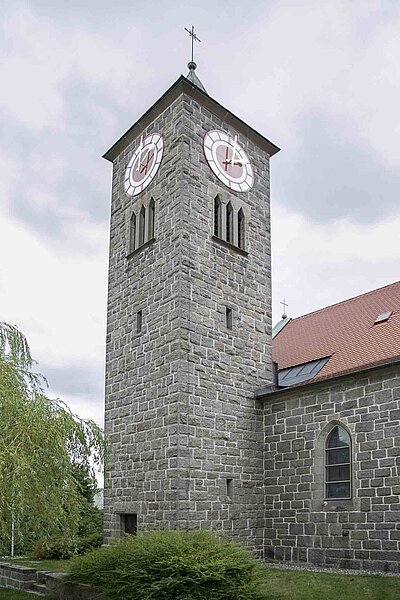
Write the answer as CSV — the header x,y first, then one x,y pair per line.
x,y
228,160
143,164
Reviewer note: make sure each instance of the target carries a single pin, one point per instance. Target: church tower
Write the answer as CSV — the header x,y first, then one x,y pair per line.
x,y
189,319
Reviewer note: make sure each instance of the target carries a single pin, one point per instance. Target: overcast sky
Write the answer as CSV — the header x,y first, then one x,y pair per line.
x,y
319,78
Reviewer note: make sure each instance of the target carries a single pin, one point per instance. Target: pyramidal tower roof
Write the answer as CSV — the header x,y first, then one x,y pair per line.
x,y
192,77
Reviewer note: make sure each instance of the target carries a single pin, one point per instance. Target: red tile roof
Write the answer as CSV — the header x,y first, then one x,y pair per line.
x,y
346,332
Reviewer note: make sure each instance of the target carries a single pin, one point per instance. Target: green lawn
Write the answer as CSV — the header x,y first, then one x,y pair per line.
x,y
277,584
6,594
55,566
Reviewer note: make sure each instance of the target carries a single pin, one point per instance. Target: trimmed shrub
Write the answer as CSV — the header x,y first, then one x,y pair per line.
x,y
63,547
169,565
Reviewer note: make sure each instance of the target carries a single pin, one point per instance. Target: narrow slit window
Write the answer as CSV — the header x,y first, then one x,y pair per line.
x,y
241,229
142,219
130,524
229,223
151,219
229,488
229,318
338,464
139,321
217,216
132,233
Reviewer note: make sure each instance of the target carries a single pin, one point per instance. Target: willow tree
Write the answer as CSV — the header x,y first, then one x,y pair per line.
x,y
41,441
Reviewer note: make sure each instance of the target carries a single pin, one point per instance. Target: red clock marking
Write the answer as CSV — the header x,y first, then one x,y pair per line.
x,y
144,166
235,169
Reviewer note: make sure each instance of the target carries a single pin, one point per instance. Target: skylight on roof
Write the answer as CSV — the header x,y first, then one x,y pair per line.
x,y
299,373
383,317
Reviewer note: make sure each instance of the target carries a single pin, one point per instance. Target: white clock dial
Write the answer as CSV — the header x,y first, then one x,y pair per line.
x,y
143,164
228,160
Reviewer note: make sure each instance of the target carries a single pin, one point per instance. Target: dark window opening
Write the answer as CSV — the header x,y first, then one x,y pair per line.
x,y
338,464
229,318
142,219
229,223
130,524
132,233
217,217
151,219
241,229
139,321
229,488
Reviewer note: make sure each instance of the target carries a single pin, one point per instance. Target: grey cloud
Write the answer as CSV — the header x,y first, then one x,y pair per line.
x,y
333,175
84,180
85,381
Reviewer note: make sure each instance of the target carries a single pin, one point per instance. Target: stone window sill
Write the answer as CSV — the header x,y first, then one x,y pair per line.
x,y
140,248
236,249
333,505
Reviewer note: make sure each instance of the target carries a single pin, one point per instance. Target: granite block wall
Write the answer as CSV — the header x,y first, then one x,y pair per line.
x,y
185,432
301,524
17,577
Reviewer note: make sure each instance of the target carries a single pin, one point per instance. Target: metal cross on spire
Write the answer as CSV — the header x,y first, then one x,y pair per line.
x,y
284,308
193,36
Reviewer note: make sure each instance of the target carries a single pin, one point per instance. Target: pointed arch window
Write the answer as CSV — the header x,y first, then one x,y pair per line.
x,y
240,219
338,464
142,221
132,233
152,209
229,223
217,217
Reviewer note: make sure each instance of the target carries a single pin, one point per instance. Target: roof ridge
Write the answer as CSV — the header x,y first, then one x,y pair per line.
x,y
320,310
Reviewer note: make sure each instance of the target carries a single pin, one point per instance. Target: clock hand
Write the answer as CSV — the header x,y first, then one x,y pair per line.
x,y
233,151
146,160
140,153
240,162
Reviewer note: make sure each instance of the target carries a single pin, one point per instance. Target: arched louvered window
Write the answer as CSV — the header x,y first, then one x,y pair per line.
x,y
229,223
338,464
142,220
132,233
241,241
151,219
217,217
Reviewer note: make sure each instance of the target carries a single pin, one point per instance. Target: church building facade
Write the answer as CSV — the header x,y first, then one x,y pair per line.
x,y
332,436
201,431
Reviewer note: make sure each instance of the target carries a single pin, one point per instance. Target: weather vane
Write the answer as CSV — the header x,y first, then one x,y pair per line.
x,y
193,36
284,308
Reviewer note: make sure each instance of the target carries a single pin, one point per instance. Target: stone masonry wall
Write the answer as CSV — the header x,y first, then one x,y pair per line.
x,y
220,421
142,390
17,577
362,533
181,417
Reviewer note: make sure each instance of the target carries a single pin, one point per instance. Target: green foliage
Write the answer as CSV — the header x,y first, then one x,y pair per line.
x,y
169,565
90,520
86,483
40,441
55,548
90,517
64,547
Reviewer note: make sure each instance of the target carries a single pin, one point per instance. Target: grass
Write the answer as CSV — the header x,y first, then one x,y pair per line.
x,y
7,594
273,584
283,584
55,566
